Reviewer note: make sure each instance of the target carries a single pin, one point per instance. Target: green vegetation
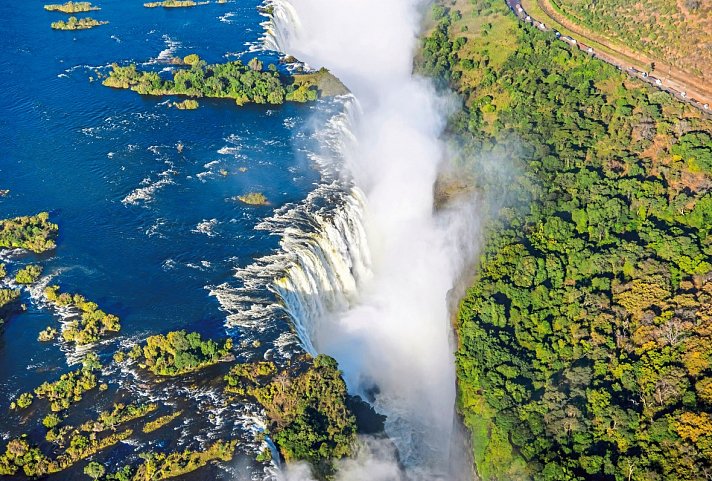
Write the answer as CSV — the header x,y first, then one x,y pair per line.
x,y
253,198
187,104
585,341
158,466
7,298
47,334
191,59
67,390
160,422
306,406
326,84
74,23
94,323
70,387
94,470
173,4
179,352
71,7
19,454
28,275
23,400
121,413
106,421
668,30
51,421
33,233
233,80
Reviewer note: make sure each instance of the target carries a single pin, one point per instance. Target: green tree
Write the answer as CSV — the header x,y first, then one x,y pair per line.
x,y
94,470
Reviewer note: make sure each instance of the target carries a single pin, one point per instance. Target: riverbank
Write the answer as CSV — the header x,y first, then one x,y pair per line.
x,y
590,250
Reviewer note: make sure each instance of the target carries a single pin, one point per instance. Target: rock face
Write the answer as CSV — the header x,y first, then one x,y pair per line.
x,y
326,83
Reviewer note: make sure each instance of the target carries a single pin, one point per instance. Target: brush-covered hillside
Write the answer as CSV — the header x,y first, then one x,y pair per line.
x,y
585,341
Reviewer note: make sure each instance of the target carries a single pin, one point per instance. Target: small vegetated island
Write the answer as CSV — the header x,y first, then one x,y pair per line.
x,y
244,84
585,340
252,198
67,390
93,324
187,104
177,353
174,4
306,405
28,274
71,7
74,23
33,233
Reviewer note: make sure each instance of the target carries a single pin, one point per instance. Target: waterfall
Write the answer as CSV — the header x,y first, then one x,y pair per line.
x,y
366,264
282,22
323,254
330,259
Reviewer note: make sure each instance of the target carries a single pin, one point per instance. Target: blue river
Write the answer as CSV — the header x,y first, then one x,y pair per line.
x,y
142,193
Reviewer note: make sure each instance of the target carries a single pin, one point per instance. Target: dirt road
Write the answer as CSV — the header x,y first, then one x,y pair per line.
x,y
678,83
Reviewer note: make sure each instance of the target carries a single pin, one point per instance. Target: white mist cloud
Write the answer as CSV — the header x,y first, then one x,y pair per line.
x,y
398,337
374,461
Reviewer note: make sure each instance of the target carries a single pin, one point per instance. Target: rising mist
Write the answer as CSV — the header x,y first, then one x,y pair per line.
x,y
395,343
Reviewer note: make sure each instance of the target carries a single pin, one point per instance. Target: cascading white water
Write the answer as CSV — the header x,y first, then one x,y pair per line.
x,y
323,256
282,14
389,329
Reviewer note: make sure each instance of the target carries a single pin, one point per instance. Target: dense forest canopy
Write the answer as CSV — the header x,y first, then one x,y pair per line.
x,y
585,342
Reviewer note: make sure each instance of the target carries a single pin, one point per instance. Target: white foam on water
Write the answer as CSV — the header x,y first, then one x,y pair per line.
x,y
154,229
391,328
169,264
147,192
228,17
172,45
207,227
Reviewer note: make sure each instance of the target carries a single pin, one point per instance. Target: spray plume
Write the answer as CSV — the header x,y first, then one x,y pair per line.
x,y
394,342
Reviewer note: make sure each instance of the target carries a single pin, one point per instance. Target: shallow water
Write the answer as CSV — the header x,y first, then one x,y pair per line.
x,y
146,230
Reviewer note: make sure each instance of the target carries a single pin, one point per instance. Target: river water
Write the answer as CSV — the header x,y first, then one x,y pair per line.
x,y
148,229
349,258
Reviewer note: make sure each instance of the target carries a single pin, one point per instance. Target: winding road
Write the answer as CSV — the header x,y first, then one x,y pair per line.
x,y
676,82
